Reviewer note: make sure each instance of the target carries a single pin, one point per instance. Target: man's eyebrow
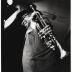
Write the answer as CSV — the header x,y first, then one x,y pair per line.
x,y
48,15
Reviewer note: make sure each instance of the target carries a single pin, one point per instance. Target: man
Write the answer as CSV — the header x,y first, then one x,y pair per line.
x,y
36,57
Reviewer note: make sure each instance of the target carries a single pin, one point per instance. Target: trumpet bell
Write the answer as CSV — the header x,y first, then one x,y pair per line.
x,y
63,54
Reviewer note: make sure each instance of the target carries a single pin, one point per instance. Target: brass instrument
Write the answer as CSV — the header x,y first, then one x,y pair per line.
x,y
45,31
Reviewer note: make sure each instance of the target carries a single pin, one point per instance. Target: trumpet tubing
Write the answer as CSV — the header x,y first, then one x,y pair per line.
x,y
45,32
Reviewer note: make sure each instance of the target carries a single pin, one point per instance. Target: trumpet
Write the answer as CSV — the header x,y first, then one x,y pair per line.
x,y
45,31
